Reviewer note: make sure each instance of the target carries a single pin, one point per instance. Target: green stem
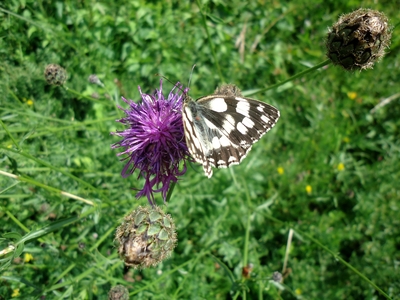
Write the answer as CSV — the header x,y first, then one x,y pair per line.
x,y
204,20
298,75
52,168
86,97
170,191
13,95
118,111
46,187
337,257
16,221
247,237
10,135
166,274
281,223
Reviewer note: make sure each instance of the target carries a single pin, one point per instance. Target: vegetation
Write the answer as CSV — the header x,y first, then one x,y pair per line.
x,y
316,199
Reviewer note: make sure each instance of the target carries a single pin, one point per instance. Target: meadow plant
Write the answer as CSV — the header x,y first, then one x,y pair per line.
x,y
153,143
55,74
146,237
118,292
358,39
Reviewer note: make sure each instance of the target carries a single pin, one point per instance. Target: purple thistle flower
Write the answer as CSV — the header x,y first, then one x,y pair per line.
x,y
154,142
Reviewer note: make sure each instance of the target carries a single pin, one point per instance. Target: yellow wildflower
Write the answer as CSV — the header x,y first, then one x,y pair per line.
x,y
298,291
309,189
29,102
28,257
340,167
346,139
15,293
352,95
280,170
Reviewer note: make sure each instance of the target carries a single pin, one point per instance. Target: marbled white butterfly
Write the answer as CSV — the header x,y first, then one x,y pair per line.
x,y
221,128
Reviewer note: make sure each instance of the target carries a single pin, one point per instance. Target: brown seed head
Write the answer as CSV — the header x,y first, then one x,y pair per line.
x,y
358,39
55,74
230,90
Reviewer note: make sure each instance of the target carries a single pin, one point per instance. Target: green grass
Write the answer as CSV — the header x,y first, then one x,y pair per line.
x,y
346,231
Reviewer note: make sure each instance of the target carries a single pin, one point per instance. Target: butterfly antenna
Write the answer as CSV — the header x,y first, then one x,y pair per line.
x,y
162,76
191,73
174,84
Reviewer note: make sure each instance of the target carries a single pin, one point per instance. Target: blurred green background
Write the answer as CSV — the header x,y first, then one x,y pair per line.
x,y
329,170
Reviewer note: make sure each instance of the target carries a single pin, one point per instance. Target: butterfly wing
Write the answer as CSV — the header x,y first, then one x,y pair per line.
x,y
220,129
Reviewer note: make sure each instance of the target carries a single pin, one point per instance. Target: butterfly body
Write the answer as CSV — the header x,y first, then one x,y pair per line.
x,y
221,129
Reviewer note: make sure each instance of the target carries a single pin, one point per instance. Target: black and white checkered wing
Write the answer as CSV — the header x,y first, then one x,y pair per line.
x,y
220,130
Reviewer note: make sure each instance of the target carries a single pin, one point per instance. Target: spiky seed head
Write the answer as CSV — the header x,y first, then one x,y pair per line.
x,y
358,39
230,90
55,74
146,237
118,292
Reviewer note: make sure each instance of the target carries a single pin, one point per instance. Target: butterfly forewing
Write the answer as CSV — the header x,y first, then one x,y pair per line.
x,y
220,129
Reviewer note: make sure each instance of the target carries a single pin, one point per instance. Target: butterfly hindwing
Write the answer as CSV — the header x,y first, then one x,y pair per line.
x,y
220,130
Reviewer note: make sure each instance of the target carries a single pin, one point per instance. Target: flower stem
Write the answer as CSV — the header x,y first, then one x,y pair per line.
x,y
49,165
221,77
170,191
46,187
337,257
76,93
320,65
10,135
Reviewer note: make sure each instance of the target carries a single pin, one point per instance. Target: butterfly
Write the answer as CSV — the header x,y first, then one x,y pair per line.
x,y
221,128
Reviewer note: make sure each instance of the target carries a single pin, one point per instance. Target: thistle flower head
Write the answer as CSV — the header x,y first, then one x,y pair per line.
x,y
55,74
358,39
154,141
146,237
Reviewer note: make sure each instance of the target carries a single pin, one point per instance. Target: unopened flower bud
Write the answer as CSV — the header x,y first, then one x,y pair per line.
x,y
118,292
146,237
95,80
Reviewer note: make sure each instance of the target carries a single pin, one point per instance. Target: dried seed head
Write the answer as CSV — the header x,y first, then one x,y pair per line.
x,y
358,39
146,237
55,74
118,292
230,90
